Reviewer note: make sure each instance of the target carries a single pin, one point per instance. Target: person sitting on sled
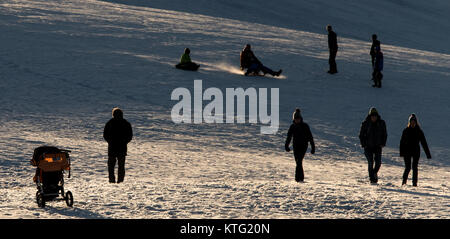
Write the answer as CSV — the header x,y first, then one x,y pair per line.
x,y
186,63
252,64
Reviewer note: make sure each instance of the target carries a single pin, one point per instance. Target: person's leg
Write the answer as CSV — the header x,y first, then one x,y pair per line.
x,y
407,169
111,165
415,168
332,61
253,68
299,175
377,163
267,70
369,156
121,172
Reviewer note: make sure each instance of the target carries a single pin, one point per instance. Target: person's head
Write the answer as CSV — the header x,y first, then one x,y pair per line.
x,y
374,37
412,121
247,47
297,116
373,113
117,113
187,51
377,49
329,28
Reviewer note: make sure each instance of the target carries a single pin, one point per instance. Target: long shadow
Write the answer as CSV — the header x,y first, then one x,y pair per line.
x,y
416,193
74,212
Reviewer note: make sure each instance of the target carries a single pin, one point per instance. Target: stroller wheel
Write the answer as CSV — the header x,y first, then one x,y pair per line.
x,y
69,198
40,199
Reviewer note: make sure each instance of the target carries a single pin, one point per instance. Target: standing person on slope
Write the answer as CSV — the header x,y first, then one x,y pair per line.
x,y
409,148
301,135
333,47
375,43
377,76
373,136
118,133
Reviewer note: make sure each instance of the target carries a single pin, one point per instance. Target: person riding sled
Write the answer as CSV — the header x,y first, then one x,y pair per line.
x,y
186,63
253,65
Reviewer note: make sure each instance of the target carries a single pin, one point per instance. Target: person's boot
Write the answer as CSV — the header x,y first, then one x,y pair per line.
x,y
404,182
278,72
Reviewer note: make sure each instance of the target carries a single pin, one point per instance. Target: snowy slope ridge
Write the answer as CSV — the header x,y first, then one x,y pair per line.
x,y
65,64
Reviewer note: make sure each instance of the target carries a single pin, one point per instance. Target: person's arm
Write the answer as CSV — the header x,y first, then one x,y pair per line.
x,y
362,135
402,144
107,132
289,138
383,125
423,141
311,140
129,133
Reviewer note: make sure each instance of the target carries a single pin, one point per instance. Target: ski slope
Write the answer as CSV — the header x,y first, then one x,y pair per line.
x,y
65,64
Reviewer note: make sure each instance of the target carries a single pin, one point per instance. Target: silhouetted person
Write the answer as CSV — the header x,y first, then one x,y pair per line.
x,y
333,47
409,148
373,136
252,64
186,63
375,43
301,134
377,76
118,134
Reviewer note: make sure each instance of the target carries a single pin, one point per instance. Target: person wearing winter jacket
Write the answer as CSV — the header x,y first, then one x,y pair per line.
x,y
118,133
373,137
186,62
375,43
333,47
300,133
409,148
377,76
249,61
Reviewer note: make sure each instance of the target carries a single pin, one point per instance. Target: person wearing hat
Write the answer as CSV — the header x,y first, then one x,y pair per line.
x,y
333,47
409,148
118,133
186,62
377,76
249,61
373,137
301,134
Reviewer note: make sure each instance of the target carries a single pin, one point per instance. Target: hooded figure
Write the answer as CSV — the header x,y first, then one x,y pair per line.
x,y
301,134
118,133
409,148
373,137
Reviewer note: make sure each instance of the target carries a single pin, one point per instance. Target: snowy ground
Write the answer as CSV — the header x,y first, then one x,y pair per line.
x,y
65,64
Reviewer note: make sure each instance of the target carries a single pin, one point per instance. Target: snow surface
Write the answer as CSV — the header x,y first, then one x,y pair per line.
x,y
65,64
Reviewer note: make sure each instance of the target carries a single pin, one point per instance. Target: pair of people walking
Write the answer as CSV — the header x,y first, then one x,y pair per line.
x,y
373,137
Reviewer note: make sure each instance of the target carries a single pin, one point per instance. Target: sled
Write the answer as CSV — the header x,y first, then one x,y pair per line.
x,y
188,66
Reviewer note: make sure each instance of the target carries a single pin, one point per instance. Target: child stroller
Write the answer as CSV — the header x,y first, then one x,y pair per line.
x,y
51,163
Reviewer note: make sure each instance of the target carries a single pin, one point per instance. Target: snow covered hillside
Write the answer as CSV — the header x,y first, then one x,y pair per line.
x,y
65,64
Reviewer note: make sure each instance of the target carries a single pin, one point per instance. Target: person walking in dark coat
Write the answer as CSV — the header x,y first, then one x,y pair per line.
x,y
377,76
333,47
373,136
409,148
375,43
301,134
249,61
118,133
